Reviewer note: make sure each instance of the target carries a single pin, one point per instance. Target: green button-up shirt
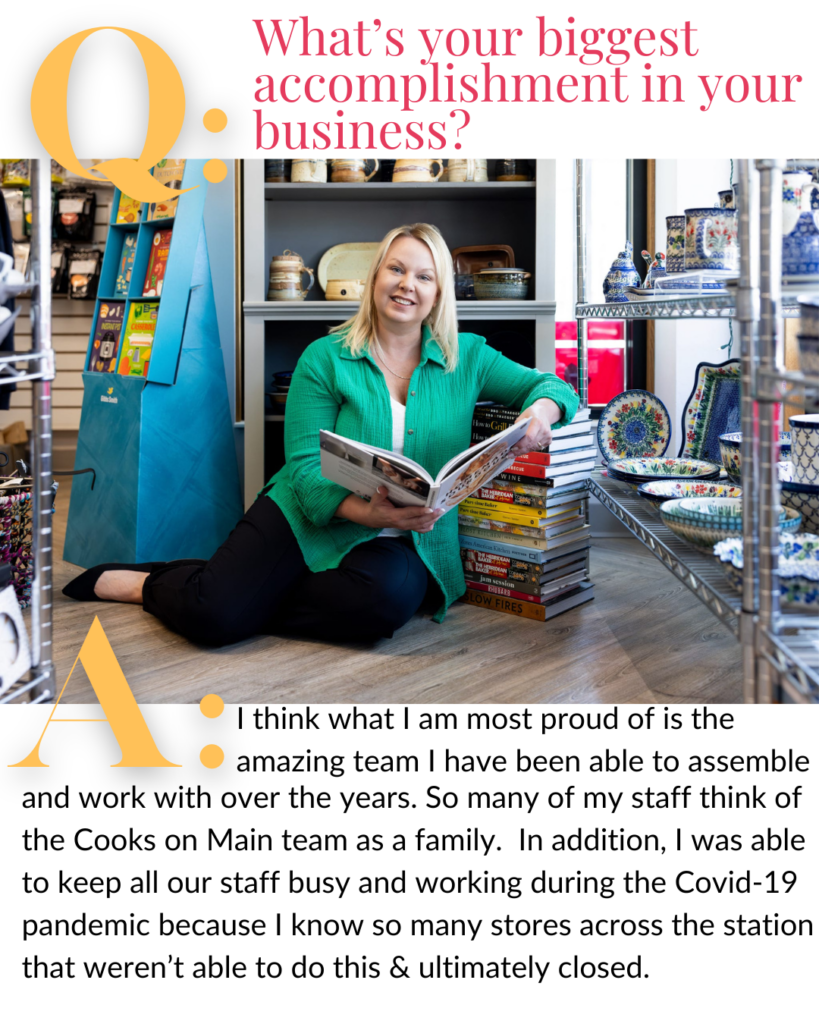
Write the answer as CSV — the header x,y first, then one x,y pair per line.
x,y
334,390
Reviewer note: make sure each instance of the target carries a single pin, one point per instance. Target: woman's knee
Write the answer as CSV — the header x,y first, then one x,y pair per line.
x,y
395,596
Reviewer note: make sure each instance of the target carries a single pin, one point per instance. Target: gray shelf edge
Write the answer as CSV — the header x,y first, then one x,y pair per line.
x,y
382,190
697,571
523,309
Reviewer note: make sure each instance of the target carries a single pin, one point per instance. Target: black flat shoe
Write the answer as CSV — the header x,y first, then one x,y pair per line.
x,y
82,588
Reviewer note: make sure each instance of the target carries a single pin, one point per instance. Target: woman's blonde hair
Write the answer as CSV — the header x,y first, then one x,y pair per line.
x,y
442,321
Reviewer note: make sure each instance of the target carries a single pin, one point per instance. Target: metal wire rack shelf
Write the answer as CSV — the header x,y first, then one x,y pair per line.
x,y
699,572
710,307
38,367
780,653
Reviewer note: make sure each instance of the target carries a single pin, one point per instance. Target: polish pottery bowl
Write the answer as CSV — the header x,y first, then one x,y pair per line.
x,y
658,491
730,451
639,471
798,567
704,522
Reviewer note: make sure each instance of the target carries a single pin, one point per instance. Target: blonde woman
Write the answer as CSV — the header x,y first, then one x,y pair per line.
x,y
310,557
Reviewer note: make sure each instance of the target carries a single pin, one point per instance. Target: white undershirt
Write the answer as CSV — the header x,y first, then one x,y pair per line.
x,y
399,419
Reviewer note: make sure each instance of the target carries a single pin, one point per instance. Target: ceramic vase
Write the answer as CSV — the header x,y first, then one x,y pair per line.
x,y
805,448
621,276
711,239
800,249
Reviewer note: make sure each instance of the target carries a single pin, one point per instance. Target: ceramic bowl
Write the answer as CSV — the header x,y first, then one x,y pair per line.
x,y
798,567
730,451
658,491
501,283
638,471
705,521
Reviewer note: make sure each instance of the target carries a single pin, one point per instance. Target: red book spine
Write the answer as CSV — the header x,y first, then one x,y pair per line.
x,y
489,588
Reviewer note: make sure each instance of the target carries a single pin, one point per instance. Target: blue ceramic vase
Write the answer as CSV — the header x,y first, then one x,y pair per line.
x,y
800,249
621,276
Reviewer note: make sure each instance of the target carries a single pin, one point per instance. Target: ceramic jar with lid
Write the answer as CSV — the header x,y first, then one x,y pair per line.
x,y
458,169
285,279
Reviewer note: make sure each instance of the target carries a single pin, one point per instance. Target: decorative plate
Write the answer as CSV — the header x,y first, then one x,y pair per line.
x,y
658,491
632,425
349,261
680,469
798,566
712,409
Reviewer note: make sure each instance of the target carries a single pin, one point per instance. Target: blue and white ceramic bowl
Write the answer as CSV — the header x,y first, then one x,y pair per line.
x,y
730,450
805,448
705,521
798,567
658,491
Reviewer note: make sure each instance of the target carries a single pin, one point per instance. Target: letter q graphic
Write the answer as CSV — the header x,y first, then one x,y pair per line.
x,y
166,105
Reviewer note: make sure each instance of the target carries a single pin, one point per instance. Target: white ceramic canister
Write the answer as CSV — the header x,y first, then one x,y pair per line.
x,y
309,170
805,448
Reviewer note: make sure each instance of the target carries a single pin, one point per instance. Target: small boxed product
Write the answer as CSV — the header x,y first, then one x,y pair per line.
x,y
128,210
169,173
155,275
126,265
84,273
74,216
139,339
107,333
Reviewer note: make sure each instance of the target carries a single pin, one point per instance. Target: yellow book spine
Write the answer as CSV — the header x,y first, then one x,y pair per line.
x,y
493,602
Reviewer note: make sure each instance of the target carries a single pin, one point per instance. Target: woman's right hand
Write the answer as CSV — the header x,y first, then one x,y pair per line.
x,y
379,513
383,515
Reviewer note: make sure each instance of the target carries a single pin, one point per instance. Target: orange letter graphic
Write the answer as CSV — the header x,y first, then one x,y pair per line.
x,y
121,710
166,112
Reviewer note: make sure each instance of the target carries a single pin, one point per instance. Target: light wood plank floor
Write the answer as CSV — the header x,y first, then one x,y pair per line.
x,y
644,639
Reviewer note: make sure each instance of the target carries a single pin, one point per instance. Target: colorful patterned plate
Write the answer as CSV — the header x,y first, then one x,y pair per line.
x,y
640,470
658,491
633,425
712,409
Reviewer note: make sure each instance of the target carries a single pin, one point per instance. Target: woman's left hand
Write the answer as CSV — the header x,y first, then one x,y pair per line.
x,y
544,413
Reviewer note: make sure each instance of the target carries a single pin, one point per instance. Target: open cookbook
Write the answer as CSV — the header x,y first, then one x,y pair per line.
x,y
362,468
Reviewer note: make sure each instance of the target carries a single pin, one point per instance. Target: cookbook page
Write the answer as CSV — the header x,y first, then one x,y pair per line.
x,y
477,466
363,470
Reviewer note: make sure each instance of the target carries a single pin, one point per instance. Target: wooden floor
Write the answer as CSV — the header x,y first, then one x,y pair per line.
x,y
645,638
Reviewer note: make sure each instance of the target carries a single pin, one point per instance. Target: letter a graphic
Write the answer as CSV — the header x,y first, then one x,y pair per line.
x,y
121,710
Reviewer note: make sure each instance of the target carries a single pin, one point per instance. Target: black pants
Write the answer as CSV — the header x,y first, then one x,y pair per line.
x,y
258,582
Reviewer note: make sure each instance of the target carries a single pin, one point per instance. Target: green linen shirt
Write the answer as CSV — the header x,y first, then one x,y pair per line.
x,y
332,389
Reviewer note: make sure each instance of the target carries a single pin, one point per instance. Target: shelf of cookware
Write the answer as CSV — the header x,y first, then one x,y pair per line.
x,y
679,308
391,191
495,309
698,571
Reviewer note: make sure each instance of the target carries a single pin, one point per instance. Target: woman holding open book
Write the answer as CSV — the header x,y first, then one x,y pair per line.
x,y
311,557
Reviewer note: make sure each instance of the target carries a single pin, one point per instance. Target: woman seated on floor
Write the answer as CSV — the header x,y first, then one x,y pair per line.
x,y
310,557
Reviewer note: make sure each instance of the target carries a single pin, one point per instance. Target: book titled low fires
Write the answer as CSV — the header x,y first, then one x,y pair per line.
x,y
525,609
